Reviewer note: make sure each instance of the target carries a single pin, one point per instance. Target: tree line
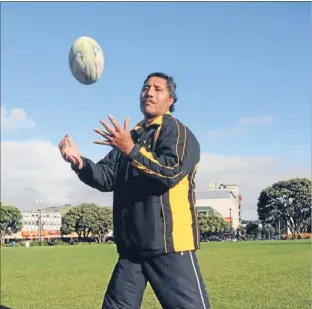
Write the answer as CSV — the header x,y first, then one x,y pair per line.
x,y
286,205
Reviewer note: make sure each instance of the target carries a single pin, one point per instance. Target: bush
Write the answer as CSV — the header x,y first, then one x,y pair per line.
x,y
34,243
297,236
6,245
306,236
58,242
37,243
20,243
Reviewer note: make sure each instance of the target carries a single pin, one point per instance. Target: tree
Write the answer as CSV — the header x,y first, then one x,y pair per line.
x,y
103,223
87,219
268,231
212,223
10,221
288,201
79,219
253,230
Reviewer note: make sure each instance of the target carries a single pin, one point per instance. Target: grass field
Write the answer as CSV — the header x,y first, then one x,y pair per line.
x,y
246,275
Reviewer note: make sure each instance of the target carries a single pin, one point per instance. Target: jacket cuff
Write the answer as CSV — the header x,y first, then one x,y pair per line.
x,y
134,152
76,169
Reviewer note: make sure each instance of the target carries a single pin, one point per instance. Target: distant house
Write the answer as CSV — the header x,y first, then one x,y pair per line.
x,y
223,201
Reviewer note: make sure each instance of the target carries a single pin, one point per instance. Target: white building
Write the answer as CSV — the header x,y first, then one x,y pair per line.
x,y
225,199
49,220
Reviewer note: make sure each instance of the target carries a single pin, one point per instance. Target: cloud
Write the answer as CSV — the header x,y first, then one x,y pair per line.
x,y
34,170
40,173
251,173
16,119
262,120
240,126
231,131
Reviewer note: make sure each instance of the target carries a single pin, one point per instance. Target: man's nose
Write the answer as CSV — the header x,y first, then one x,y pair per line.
x,y
151,92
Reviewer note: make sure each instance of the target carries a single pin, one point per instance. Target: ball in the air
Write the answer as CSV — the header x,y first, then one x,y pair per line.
x,y
86,60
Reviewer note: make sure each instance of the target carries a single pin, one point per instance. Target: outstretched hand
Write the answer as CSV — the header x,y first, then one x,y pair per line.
x,y
117,137
70,151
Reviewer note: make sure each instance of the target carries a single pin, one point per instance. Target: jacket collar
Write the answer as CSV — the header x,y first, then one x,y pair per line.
x,y
156,122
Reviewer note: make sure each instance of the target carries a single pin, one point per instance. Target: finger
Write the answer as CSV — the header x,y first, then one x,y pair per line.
x,y
69,140
104,134
73,160
68,158
64,152
64,146
62,143
115,123
106,143
127,124
108,128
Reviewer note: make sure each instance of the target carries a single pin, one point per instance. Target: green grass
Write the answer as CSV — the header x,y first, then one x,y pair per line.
x,y
247,275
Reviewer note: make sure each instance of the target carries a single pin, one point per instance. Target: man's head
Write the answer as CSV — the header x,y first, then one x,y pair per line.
x,y
158,95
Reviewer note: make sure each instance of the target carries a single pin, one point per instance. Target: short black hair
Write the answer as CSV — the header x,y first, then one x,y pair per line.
x,y
171,85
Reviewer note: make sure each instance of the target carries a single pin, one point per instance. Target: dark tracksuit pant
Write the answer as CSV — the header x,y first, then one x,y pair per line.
x,y
175,279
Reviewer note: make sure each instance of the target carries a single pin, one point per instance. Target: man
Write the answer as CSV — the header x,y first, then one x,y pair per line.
x,y
151,171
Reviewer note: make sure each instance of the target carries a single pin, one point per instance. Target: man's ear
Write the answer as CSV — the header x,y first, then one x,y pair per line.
x,y
170,102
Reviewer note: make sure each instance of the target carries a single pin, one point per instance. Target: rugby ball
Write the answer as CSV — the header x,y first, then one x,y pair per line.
x,y
86,60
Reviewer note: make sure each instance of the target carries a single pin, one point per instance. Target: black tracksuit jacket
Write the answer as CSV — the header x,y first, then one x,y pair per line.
x,y
154,200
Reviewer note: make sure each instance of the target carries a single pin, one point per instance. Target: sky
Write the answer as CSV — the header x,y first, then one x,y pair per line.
x,y
243,77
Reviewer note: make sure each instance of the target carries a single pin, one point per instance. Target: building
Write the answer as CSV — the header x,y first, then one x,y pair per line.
x,y
44,223
225,199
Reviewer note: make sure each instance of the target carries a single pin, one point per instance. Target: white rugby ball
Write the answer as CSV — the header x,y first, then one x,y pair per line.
x,y
86,60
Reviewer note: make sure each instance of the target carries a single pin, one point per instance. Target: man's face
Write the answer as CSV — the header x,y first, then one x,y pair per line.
x,y
155,98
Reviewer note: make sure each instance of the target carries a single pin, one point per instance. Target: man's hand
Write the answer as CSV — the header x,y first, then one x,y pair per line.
x,y
70,151
117,137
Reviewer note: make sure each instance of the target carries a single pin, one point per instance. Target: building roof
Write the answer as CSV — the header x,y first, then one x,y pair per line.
x,y
47,209
213,194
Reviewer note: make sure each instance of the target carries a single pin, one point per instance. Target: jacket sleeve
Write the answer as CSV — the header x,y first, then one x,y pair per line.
x,y
176,155
99,175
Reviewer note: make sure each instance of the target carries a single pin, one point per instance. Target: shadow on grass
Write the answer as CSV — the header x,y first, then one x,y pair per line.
x,y
4,307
